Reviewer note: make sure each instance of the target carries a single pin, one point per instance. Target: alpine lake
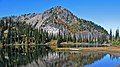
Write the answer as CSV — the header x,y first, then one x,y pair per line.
x,y
43,56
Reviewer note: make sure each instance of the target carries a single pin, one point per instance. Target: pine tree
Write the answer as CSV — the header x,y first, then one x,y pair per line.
x,y
110,37
64,37
74,38
117,34
0,31
59,37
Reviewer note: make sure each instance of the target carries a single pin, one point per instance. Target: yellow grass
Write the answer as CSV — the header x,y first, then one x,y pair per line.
x,y
74,43
99,49
106,49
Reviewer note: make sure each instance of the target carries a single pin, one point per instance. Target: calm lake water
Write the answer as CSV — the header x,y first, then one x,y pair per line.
x,y
41,56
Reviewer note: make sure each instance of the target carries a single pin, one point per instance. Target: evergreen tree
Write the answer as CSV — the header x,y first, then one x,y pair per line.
x,y
110,36
74,38
59,37
117,34
64,37
2,31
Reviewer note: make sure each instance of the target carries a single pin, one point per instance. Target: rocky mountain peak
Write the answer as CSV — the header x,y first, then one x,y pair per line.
x,y
58,18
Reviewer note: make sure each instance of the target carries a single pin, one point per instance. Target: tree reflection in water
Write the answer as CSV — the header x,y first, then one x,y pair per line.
x,y
42,56
12,56
72,59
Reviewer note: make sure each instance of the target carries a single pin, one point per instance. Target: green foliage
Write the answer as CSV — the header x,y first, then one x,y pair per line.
x,y
20,32
116,42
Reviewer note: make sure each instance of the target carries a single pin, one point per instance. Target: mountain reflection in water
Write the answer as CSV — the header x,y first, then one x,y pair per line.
x,y
41,56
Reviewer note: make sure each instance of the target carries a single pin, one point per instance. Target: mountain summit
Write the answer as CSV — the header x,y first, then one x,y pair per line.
x,y
60,19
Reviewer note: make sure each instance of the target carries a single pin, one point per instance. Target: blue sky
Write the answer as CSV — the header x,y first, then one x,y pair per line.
x,y
102,12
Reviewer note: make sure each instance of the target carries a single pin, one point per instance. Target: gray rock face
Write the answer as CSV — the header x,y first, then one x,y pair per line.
x,y
59,18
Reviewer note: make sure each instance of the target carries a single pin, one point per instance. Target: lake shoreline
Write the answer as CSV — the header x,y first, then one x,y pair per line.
x,y
98,49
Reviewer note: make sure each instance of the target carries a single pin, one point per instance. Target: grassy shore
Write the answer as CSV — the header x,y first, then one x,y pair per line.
x,y
99,49
103,49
